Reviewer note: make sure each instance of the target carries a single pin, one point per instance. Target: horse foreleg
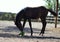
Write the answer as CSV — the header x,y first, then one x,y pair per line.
x,y
43,27
19,25
29,20
24,22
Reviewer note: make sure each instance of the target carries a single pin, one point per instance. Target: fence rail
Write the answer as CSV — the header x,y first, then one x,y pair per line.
x,y
51,19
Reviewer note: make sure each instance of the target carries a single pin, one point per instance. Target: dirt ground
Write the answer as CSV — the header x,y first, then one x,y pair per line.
x,y
9,33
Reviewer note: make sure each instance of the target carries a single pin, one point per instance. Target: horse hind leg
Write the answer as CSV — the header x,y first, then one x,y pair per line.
x,y
29,20
43,27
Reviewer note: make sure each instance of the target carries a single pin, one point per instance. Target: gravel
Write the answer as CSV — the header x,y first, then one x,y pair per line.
x,y
9,33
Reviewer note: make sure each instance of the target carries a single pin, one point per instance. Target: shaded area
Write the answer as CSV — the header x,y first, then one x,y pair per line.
x,y
7,35
27,30
9,29
41,37
15,29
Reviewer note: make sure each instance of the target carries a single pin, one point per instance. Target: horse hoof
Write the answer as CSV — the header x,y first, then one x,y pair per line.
x,y
41,34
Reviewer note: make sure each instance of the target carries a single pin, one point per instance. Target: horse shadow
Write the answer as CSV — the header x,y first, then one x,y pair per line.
x,y
13,28
8,35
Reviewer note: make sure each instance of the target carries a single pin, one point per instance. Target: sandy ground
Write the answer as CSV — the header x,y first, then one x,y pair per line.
x,y
9,33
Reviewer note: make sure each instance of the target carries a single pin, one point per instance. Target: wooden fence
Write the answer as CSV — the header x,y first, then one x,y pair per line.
x,y
51,19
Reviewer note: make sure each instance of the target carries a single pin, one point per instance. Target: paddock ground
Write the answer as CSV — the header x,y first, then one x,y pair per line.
x,y
9,33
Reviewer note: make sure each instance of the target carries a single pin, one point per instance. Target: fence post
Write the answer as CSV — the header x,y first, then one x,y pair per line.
x,y
57,13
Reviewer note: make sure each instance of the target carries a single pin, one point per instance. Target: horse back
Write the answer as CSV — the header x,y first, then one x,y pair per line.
x,y
31,13
35,13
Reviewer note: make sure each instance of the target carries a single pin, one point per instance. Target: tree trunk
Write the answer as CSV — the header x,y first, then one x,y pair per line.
x,y
57,13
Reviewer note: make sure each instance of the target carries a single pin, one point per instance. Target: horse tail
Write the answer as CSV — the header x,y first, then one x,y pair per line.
x,y
52,12
18,20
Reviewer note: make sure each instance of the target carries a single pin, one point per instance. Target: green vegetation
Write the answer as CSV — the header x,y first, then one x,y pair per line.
x,y
51,4
7,16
